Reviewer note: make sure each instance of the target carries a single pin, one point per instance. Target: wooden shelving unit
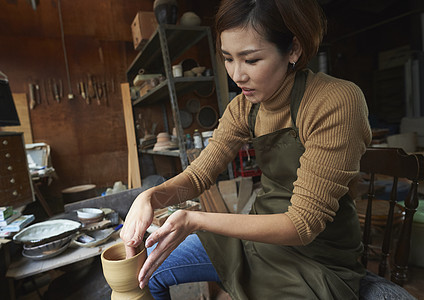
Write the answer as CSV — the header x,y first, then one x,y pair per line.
x,y
163,49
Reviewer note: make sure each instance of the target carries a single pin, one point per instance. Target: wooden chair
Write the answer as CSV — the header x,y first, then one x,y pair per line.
x,y
395,163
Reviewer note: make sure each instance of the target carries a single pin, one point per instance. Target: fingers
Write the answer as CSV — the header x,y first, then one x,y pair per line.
x,y
137,238
130,251
153,238
154,260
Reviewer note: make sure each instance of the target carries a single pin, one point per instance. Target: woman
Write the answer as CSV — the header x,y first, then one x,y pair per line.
x,y
302,237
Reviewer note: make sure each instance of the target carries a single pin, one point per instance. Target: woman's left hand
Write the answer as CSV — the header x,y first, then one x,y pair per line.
x,y
174,231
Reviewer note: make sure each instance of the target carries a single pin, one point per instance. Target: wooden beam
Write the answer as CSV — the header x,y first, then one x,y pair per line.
x,y
134,178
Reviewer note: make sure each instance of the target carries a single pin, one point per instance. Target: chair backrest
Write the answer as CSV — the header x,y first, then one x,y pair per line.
x,y
393,162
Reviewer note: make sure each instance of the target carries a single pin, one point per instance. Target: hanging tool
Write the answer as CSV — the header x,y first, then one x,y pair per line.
x,y
87,97
60,88
100,89
37,93
90,88
32,102
70,94
82,90
106,93
45,91
55,90
96,90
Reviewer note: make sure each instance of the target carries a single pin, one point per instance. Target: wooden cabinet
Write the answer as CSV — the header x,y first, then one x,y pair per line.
x,y
162,51
15,181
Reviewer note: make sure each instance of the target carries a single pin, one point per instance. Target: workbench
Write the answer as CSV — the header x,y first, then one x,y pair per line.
x,y
24,267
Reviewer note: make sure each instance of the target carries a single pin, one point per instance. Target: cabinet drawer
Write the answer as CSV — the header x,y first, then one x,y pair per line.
x,y
14,180
12,167
17,196
11,142
8,155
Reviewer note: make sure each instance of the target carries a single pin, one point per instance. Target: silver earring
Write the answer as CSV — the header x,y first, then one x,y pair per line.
x,y
293,65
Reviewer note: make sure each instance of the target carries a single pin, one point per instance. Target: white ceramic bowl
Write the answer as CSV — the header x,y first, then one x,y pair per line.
x,y
47,231
90,215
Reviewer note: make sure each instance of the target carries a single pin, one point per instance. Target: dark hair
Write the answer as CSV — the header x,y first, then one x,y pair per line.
x,y
278,21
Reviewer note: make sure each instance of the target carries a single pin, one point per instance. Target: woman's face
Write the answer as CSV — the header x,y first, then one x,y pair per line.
x,y
253,63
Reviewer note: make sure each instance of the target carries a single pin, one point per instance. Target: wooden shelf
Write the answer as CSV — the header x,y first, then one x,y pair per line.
x,y
174,153
183,85
180,38
163,49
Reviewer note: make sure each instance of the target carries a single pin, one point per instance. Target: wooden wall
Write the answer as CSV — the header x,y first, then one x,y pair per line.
x,y
88,141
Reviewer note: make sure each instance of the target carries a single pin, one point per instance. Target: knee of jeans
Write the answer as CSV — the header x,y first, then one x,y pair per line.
x,y
162,280
157,290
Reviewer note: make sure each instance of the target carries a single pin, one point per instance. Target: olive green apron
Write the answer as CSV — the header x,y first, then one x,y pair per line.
x,y
327,268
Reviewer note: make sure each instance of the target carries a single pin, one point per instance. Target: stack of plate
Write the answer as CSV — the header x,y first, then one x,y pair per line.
x,y
47,239
164,142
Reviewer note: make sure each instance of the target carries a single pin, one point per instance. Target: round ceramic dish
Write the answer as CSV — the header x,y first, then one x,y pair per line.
x,y
99,236
47,248
48,254
47,231
90,215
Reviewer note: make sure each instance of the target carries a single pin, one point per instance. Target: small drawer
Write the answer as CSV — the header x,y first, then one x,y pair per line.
x,y
8,155
14,180
11,141
13,167
17,196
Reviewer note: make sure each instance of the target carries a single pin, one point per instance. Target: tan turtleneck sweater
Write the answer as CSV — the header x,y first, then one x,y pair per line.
x,y
333,128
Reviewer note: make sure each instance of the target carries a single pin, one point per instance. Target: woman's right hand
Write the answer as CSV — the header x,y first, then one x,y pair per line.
x,y
138,219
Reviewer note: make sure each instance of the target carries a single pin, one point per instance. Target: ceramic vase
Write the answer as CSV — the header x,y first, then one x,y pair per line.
x,y
121,273
166,11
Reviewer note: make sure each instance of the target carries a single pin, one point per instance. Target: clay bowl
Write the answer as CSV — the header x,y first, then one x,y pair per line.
x,y
122,274
198,70
163,137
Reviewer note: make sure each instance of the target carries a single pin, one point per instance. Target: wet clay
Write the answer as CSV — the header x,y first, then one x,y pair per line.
x,y
121,273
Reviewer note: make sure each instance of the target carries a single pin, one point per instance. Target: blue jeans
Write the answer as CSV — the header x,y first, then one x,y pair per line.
x,y
187,263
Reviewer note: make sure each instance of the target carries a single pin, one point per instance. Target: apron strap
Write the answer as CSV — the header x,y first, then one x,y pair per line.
x,y
296,94
252,118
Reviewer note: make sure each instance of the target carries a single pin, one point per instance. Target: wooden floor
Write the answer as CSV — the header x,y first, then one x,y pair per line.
x,y
94,287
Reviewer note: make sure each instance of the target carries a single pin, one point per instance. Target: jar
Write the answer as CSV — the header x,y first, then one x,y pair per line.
x,y
177,71
197,139
206,135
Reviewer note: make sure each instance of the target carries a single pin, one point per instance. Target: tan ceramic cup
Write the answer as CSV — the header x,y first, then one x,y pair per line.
x,y
121,273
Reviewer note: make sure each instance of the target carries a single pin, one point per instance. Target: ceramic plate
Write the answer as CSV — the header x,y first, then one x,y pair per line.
x,y
99,237
47,231
186,118
47,247
45,255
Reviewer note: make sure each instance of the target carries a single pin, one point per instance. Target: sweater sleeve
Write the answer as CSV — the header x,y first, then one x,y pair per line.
x,y
231,133
335,131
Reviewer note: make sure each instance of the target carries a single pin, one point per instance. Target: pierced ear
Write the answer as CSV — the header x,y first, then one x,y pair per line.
x,y
296,50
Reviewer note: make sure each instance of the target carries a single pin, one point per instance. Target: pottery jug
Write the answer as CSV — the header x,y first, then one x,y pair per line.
x,y
121,273
190,19
166,11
